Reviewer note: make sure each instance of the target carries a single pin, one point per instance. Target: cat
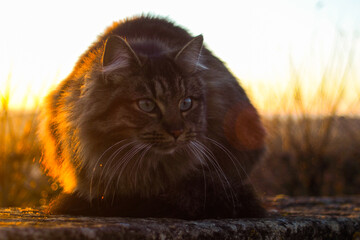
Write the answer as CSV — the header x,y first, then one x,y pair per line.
x,y
151,124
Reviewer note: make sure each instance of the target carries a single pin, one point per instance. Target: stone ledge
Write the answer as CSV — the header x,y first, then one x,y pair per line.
x,y
291,218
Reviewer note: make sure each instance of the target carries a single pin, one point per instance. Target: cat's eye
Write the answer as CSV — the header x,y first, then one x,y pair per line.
x,y
186,104
146,105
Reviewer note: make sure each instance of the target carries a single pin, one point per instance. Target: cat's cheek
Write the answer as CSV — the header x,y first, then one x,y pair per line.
x,y
131,118
243,128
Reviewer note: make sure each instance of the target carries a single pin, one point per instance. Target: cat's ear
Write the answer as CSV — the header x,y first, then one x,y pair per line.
x,y
118,54
189,57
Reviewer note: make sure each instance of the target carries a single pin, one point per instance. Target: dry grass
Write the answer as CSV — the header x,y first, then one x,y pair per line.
x,y
21,180
312,148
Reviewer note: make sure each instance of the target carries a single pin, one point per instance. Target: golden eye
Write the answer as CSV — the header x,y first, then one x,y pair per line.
x,y
186,104
146,105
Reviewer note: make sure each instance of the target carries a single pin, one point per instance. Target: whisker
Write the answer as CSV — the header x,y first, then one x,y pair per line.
x,y
109,164
121,164
114,168
232,158
221,175
198,153
194,153
135,150
97,164
202,152
139,163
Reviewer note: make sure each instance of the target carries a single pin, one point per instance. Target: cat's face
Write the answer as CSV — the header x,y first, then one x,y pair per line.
x,y
157,105
156,101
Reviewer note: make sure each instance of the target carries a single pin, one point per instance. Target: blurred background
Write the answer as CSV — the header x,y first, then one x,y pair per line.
x,y
299,62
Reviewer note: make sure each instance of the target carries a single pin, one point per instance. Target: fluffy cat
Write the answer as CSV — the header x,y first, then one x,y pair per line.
x,y
151,123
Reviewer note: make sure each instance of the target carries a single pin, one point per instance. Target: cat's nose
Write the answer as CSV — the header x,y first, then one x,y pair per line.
x,y
176,133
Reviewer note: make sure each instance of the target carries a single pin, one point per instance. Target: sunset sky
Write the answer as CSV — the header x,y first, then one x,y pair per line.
x,y
259,40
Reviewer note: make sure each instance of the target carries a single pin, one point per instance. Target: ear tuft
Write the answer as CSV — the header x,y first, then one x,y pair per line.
x,y
188,58
118,54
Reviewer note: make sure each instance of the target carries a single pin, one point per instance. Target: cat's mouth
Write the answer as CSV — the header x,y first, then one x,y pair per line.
x,y
168,147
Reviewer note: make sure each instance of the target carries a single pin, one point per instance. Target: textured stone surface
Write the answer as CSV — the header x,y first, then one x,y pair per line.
x,y
290,218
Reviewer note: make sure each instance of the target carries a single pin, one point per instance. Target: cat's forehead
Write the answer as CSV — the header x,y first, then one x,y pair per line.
x,y
163,79
164,88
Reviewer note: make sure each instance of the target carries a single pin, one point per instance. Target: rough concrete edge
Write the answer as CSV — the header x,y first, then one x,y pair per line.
x,y
270,228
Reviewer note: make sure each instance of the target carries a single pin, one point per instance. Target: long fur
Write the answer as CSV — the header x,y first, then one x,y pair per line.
x,y
112,158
